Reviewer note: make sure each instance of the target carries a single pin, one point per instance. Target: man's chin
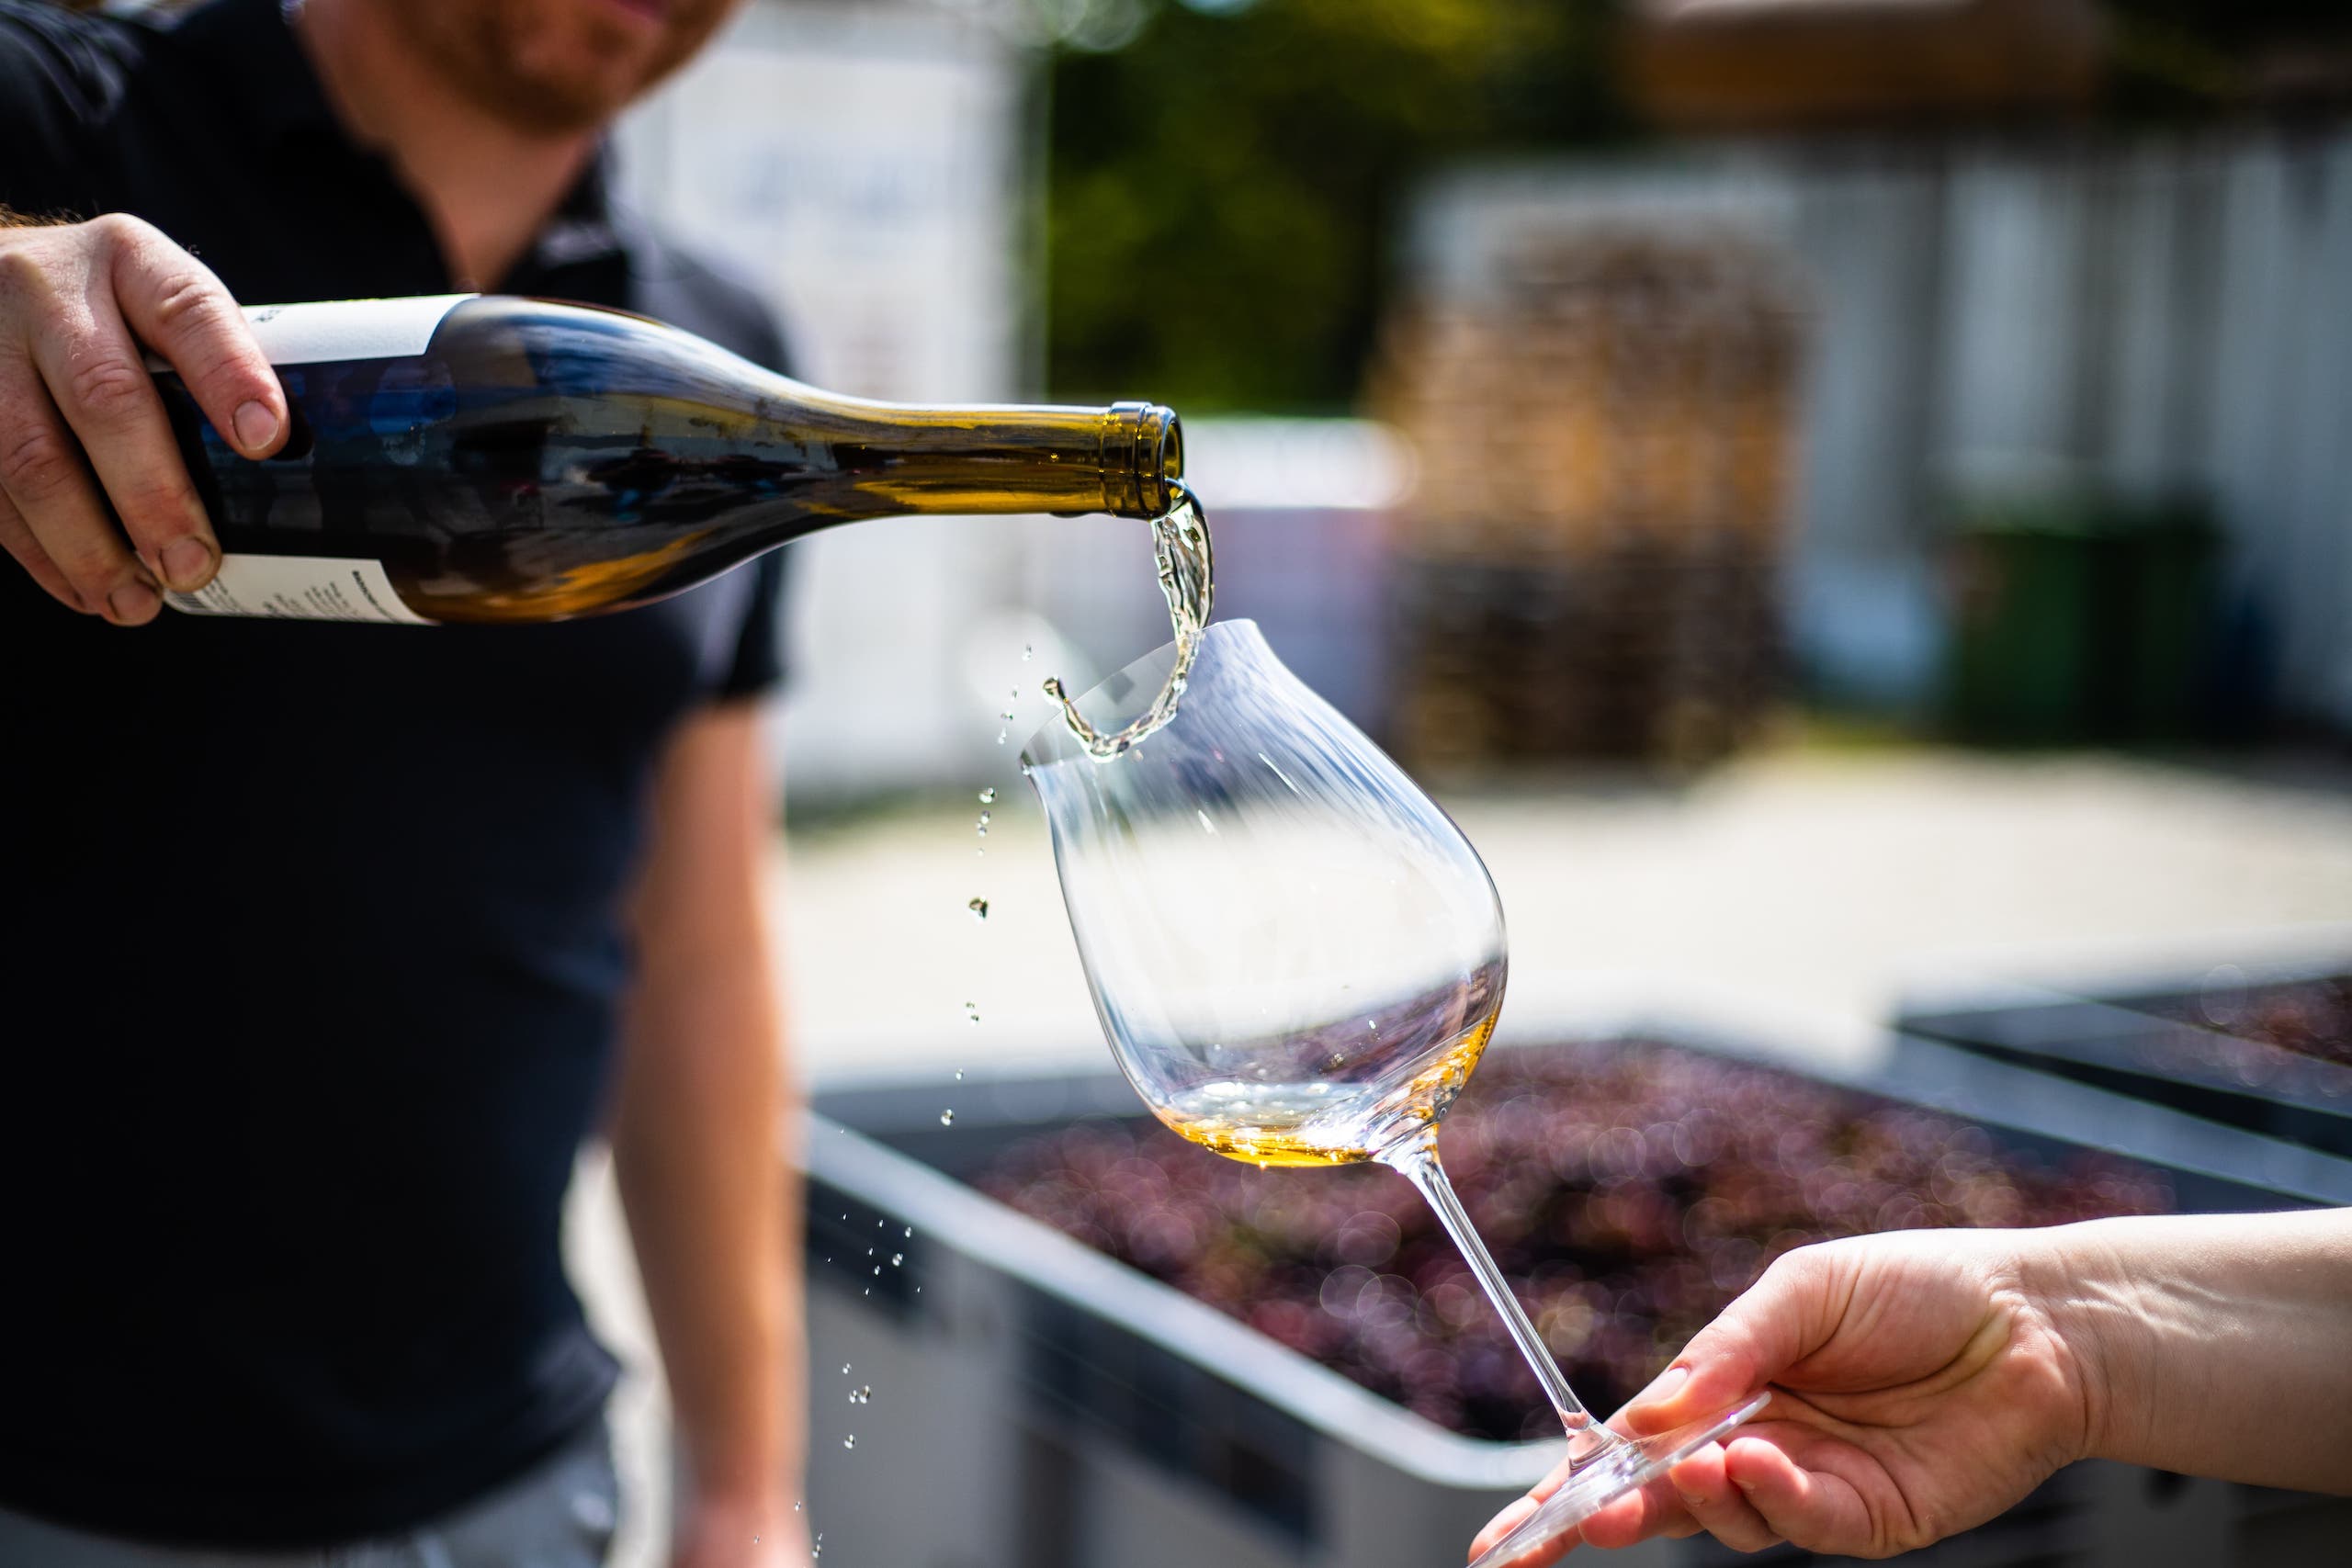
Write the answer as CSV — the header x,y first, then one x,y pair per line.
x,y
566,71
552,105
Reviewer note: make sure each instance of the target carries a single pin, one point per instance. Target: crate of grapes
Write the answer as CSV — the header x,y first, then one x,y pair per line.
x,y
2265,1047
1044,1333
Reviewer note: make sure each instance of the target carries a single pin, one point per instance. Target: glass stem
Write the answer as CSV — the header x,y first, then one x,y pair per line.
x,y
1417,1160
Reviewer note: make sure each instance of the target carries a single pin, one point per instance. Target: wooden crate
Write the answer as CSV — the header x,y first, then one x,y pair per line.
x,y
1592,550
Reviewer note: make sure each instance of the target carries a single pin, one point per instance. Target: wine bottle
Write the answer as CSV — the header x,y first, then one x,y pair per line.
x,y
481,458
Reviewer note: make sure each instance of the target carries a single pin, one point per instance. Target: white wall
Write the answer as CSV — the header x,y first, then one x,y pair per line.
x,y
863,165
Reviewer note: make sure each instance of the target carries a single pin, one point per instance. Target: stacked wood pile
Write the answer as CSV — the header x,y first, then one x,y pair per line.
x,y
1591,554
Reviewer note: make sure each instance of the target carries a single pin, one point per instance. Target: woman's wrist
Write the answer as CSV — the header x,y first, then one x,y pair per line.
x,y
2082,1284
2210,1345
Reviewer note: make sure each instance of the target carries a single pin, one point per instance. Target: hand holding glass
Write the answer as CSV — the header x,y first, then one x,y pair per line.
x,y
1298,959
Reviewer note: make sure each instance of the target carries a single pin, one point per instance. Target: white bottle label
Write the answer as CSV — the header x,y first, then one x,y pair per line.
x,y
299,587
348,329
320,330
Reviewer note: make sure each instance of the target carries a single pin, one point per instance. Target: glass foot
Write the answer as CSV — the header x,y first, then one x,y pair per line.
x,y
1607,1478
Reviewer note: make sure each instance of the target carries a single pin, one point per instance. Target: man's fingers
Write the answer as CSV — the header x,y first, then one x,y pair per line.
x,y
42,476
182,312
25,550
95,376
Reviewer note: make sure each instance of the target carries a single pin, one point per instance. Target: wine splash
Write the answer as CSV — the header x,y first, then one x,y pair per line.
x,y
1180,541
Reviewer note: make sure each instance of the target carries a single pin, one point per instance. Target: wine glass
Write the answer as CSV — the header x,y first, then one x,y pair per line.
x,y
1298,959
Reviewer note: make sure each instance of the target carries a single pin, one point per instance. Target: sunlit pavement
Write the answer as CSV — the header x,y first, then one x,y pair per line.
x,y
1791,896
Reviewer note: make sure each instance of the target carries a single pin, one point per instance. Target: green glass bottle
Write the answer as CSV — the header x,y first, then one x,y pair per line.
x,y
474,457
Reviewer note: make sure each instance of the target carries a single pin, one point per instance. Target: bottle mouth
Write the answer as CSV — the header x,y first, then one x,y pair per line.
x,y
1143,459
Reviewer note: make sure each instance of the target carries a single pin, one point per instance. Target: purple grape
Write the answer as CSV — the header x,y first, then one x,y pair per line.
x,y
1628,1192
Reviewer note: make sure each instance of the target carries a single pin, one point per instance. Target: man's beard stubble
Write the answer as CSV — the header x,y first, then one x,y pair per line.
x,y
482,56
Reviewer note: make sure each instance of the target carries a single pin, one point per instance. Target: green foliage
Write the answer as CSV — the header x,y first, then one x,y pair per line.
x,y
1224,189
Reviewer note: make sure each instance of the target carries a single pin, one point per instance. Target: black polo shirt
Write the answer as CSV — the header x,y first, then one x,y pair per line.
x,y
306,995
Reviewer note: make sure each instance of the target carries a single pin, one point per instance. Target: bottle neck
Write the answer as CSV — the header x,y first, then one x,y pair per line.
x,y
909,458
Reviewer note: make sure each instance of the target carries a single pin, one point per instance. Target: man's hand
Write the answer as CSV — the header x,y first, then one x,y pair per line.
x,y
81,424
1920,1387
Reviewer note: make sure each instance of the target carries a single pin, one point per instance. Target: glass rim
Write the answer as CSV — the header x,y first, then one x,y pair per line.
x,y
1138,681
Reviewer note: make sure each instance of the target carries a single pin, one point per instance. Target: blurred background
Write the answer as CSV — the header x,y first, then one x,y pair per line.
x,y
1849,502
1814,485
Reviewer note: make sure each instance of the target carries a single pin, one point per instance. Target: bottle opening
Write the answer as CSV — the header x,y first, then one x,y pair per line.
x,y
1143,459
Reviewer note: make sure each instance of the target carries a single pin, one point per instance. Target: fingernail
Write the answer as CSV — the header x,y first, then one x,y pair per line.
x,y
187,563
255,424
1663,1387
132,601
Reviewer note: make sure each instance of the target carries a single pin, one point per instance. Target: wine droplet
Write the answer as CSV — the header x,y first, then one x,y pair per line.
x,y
845,1368
910,1229
979,907
988,796
850,1441
959,1079
947,1118
897,1260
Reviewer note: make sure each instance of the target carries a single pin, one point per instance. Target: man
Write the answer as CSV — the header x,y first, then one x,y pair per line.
x,y
328,943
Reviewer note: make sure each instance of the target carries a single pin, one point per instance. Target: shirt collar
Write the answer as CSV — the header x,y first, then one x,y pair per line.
x,y
580,250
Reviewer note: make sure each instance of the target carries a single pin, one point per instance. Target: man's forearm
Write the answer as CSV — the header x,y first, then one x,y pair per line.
x,y
713,1216
2217,1345
699,1120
